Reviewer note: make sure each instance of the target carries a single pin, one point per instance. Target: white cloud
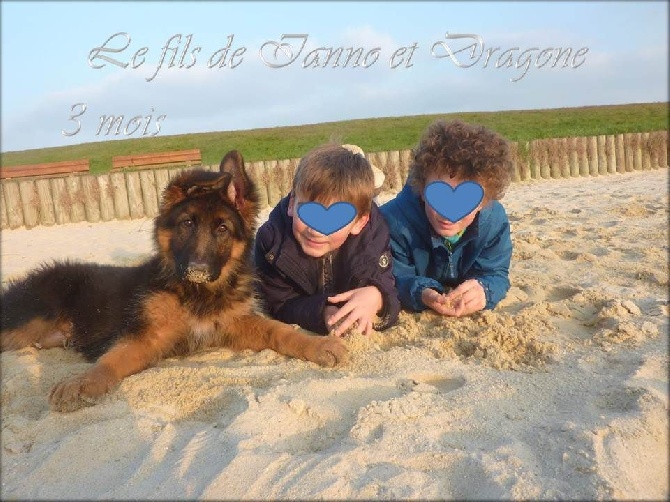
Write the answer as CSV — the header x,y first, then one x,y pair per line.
x,y
253,94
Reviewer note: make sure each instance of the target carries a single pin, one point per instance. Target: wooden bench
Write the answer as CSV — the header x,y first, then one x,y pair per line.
x,y
150,160
67,166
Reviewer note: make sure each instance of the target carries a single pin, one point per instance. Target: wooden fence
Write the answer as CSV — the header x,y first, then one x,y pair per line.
x,y
136,194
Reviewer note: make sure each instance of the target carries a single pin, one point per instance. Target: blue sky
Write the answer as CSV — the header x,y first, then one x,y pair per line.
x,y
46,70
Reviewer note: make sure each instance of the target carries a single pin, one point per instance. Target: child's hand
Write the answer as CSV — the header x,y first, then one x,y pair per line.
x,y
467,298
438,302
361,307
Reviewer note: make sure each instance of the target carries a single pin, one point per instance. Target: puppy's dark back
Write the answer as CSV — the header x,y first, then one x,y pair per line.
x,y
97,299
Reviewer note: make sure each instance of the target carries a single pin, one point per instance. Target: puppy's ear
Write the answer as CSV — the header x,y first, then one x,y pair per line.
x,y
241,189
172,195
230,161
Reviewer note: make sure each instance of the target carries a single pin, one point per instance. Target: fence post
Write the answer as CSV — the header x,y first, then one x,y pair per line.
x,y
630,152
257,173
514,160
149,197
646,151
77,211
563,157
611,154
394,177
583,156
602,156
13,202
592,153
120,194
383,164
47,215
91,191
554,157
661,148
535,159
620,154
545,160
282,177
272,180
162,180
526,160
292,168
637,151
405,165
573,157
135,201
106,192
4,221
29,203
62,201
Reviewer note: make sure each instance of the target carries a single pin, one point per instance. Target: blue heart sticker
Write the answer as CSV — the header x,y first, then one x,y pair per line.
x,y
454,204
326,221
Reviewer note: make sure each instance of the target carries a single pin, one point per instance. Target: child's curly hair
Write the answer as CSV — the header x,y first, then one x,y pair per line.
x,y
465,151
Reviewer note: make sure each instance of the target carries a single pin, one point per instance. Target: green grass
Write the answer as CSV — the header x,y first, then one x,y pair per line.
x,y
377,134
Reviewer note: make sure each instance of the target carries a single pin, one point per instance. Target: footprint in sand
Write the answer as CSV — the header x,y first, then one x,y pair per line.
x,y
622,400
568,255
561,293
656,207
534,293
600,251
431,384
557,294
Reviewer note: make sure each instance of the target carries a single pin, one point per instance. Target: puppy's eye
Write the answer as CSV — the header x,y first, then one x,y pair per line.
x,y
187,223
222,229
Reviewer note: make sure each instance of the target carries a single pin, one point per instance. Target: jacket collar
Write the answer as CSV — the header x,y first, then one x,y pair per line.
x,y
414,209
285,249
471,233
287,255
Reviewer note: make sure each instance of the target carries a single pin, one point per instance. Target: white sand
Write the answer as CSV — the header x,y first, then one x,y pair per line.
x,y
560,393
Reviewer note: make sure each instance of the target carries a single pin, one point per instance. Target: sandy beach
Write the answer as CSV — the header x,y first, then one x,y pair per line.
x,y
559,393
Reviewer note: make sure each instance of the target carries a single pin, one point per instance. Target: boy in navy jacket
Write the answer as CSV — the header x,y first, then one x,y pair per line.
x,y
469,257
328,282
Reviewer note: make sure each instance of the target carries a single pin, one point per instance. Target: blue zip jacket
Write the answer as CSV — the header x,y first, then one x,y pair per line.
x,y
422,260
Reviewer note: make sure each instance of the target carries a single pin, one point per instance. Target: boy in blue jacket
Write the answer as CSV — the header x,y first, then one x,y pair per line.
x,y
327,282
432,255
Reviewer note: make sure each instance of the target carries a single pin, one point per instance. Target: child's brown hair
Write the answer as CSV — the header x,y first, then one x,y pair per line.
x,y
331,173
465,151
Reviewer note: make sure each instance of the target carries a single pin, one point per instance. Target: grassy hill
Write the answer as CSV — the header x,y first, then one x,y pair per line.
x,y
377,134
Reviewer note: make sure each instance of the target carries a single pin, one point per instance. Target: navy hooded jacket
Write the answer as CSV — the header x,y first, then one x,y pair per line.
x,y
422,260
290,280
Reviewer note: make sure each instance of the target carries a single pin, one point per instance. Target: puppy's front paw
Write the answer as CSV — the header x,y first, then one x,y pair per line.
x,y
79,391
328,351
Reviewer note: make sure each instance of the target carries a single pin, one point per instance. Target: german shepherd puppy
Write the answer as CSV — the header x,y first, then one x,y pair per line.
x,y
195,292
